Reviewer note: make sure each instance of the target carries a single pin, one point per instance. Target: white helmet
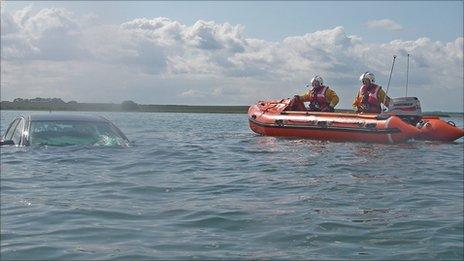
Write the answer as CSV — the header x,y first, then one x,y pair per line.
x,y
367,75
318,79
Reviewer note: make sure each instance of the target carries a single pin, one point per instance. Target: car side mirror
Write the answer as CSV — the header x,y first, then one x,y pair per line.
x,y
6,142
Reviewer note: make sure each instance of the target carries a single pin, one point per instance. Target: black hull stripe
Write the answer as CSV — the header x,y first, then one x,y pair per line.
x,y
328,128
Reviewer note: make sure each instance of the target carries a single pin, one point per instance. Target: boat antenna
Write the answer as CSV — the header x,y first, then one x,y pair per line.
x,y
407,77
389,77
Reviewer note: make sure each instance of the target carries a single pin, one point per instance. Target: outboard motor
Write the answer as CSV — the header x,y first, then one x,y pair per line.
x,y
407,108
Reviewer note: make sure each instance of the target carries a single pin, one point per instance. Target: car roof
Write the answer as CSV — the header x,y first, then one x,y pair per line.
x,y
66,117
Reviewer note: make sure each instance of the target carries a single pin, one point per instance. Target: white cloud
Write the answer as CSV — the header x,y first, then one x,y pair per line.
x,y
386,24
213,36
192,93
51,34
160,60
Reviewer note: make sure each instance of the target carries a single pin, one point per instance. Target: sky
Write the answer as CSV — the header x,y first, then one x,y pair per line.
x,y
229,52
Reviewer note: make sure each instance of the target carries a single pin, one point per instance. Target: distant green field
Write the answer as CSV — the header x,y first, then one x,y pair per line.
x,y
193,109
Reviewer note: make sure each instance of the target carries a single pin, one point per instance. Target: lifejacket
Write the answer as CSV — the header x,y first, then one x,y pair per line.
x,y
317,99
370,98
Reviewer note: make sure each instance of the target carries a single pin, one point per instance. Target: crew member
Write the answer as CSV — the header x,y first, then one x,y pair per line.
x,y
370,95
320,97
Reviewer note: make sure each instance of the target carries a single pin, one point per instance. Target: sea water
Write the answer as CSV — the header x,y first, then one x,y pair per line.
x,y
204,186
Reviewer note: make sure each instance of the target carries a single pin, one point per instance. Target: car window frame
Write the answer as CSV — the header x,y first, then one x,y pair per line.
x,y
11,129
19,129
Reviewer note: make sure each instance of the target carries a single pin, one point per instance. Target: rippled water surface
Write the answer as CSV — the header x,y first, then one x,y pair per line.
x,y
196,186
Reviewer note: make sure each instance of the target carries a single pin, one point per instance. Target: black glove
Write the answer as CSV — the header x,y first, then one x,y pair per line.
x,y
328,109
363,107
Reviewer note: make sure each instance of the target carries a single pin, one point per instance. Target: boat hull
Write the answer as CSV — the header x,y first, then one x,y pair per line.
x,y
272,120
388,135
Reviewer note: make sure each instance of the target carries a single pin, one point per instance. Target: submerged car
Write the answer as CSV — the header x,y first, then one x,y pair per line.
x,y
63,130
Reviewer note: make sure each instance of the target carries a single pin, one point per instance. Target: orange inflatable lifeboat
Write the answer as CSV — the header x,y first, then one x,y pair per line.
x,y
271,118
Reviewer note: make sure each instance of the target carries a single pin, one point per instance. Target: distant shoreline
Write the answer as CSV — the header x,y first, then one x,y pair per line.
x,y
114,107
123,107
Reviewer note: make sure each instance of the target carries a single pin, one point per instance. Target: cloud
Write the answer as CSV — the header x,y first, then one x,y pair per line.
x,y
212,36
50,34
164,61
386,24
192,93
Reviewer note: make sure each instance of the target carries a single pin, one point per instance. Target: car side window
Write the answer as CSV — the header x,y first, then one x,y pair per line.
x,y
9,132
18,132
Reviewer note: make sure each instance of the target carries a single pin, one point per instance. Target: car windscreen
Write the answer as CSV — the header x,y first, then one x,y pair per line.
x,y
62,133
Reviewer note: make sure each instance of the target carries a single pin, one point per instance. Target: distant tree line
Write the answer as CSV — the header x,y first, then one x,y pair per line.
x,y
56,104
40,100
